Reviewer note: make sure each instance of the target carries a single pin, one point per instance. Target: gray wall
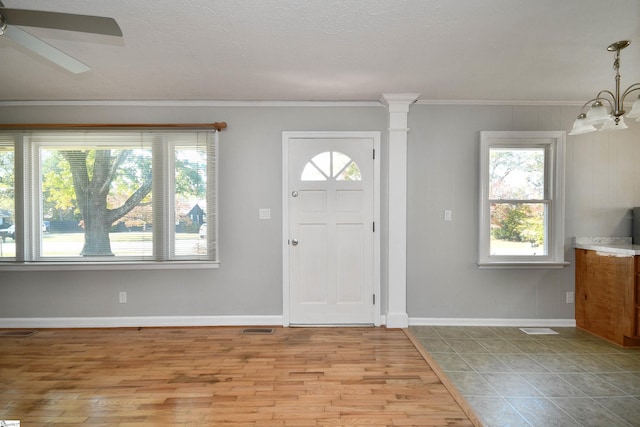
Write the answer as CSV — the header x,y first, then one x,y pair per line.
x,y
603,183
249,280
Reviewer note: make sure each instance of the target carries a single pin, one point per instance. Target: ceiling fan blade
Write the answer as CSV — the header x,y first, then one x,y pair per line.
x,y
62,21
45,50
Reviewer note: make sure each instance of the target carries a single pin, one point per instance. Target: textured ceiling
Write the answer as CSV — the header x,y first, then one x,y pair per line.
x,y
325,50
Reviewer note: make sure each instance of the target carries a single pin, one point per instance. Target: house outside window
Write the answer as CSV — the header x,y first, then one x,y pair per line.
x,y
112,196
521,199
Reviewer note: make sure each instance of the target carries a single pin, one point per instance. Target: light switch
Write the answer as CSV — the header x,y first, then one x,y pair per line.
x,y
447,215
264,213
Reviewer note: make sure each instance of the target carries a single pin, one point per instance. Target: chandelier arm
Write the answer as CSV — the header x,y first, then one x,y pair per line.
x,y
586,104
611,101
634,87
597,117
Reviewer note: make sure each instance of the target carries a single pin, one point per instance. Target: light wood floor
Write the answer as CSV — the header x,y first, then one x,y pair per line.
x,y
218,376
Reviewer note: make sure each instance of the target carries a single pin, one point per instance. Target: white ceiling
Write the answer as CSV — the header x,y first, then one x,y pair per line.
x,y
331,50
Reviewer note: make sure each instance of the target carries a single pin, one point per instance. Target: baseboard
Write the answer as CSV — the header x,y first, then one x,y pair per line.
x,y
266,320
139,321
396,320
427,321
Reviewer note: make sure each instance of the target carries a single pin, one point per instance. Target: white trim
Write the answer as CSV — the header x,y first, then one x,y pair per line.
x,y
428,321
221,103
138,321
554,143
398,108
186,103
504,102
98,266
519,265
397,320
286,136
249,320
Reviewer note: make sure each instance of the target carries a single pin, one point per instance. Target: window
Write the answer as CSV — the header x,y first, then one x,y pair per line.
x,y
521,199
331,164
114,195
7,191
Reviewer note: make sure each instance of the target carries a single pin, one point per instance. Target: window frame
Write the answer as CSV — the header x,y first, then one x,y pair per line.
x,y
28,202
554,143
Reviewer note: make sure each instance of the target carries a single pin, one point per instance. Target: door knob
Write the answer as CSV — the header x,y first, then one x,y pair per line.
x,y
294,242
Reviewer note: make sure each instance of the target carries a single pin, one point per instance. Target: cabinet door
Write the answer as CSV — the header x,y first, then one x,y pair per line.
x,y
637,299
605,295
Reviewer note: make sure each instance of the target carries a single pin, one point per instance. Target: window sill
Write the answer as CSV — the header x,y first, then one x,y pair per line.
x,y
96,266
512,265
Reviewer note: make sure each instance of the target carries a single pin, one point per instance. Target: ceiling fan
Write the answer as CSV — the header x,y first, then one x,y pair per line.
x,y
9,18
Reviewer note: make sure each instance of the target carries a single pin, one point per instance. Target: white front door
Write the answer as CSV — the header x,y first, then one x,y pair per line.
x,y
331,230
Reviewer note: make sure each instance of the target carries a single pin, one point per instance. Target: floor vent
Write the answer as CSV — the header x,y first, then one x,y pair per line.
x,y
16,334
538,331
257,331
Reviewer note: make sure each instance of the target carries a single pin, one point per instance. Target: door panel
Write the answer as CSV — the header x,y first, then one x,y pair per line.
x,y
350,260
312,259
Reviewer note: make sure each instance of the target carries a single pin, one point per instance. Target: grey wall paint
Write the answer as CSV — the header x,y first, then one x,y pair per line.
x,y
602,184
249,280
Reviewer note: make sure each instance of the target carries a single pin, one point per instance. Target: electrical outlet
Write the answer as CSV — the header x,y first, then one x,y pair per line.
x,y
570,297
123,297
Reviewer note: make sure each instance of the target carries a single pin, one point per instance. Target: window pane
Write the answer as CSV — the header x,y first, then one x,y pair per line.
x,y
97,201
350,173
7,206
516,173
318,168
344,169
191,200
331,164
340,160
518,229
312,173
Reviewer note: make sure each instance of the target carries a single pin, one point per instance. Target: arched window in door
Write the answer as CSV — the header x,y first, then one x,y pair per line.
x,y
331,165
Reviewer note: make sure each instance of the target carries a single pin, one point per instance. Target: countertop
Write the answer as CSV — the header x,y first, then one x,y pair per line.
x,y
616,246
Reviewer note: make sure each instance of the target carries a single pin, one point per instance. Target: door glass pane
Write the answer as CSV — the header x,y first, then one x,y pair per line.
x,y
350,173
7,206
340,160
191,200
518,229
332,164
312,173
516,173
97,201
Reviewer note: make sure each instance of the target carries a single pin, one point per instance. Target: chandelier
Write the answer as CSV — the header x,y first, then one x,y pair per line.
x,y
610,117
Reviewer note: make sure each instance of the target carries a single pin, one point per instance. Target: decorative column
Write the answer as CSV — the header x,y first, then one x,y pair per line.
x,y
398,106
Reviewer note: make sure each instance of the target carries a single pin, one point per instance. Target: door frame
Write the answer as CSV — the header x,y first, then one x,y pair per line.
x,y
287,136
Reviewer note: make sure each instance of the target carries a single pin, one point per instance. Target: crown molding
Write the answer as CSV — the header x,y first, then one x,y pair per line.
x,y
510,103
282,104
185,103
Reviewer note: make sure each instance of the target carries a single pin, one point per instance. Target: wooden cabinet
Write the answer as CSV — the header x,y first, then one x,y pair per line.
x,y
608,296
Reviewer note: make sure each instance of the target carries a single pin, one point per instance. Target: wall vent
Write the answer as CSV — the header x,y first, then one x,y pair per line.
x,y
257,331
538,331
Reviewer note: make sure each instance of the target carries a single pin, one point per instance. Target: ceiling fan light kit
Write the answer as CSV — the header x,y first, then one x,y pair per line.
x,y
10,19
3,25
598,117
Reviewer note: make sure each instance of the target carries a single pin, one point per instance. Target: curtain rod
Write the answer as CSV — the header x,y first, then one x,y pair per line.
x,y
27,126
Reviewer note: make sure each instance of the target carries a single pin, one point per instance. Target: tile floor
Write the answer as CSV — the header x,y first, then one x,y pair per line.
x,y
513,379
